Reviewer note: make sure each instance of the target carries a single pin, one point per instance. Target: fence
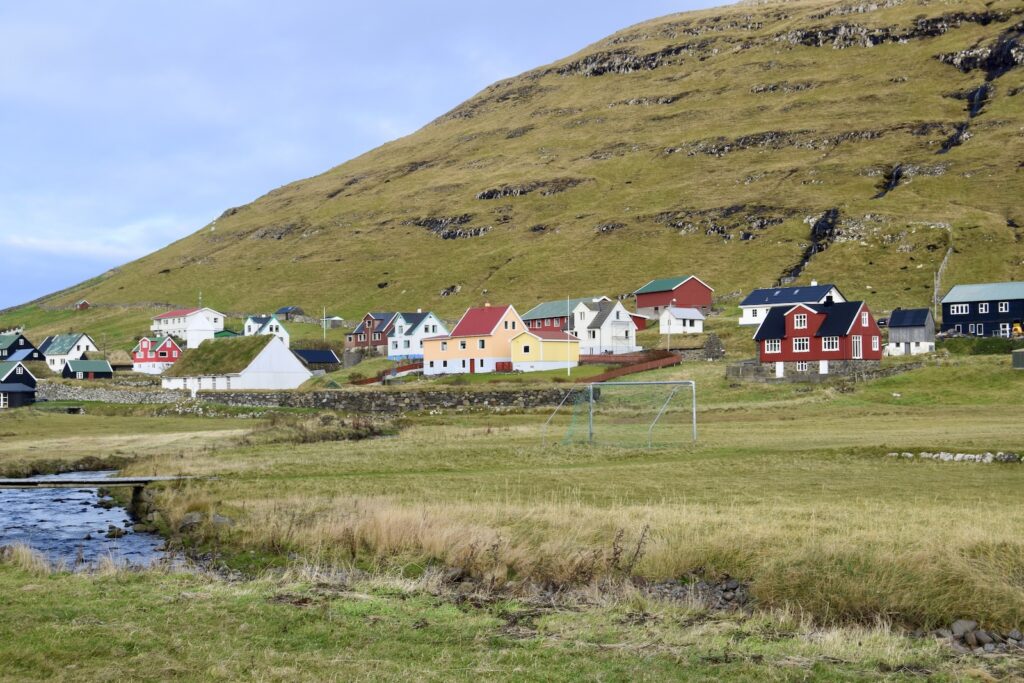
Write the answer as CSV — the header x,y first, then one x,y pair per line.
x,y
666,360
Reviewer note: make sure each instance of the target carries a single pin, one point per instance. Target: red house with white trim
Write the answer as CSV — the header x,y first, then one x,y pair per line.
x,y
819,338
685,291
153,355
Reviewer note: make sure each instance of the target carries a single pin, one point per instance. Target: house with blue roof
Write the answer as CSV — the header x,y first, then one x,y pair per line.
x,y
266,325
372,332
408,330
911,332
754,308
994,309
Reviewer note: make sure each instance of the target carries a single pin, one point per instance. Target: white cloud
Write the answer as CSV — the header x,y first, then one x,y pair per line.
x,y
106,245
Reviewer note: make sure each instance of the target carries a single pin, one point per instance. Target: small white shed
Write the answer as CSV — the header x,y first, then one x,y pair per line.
x,y
681,321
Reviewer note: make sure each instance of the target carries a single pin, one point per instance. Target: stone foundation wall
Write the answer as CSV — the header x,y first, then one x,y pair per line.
x,y
53,391
753,371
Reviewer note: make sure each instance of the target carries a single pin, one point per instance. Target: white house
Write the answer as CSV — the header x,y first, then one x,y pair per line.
x,y
255,362
266,324
604,327
681,321
405,341
754,308
194,325
60,348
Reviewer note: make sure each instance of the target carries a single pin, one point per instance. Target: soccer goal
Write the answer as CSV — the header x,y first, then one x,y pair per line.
x,y
627,414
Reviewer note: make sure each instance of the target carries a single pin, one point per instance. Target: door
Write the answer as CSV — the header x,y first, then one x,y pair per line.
x,y
858,351
780,369
906,348
1004,329
823,367
472,366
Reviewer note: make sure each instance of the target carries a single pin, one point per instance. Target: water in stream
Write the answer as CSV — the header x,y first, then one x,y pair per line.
x,y
69,526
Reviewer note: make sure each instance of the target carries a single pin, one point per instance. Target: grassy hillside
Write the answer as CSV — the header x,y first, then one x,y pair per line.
x,y
714,142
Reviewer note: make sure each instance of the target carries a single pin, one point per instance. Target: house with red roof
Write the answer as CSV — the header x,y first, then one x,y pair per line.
x,y
193,325
536,350
819,338
480,342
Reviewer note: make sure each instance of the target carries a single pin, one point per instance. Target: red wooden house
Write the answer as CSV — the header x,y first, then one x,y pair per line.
x,y
686,291
153,355
819,338
372,332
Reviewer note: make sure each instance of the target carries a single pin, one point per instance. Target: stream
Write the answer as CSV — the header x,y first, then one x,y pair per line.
x,y
70,526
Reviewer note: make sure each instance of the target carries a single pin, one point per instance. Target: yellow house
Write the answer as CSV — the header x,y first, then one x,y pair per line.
x,y
480,342
535,350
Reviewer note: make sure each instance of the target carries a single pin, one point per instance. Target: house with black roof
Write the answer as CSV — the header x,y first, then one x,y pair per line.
x,y
754,308
15,347
17,385
408,330
318,359
911,332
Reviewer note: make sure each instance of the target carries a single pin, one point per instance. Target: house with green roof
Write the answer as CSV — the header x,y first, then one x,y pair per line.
x,y
259,362
58,349
154,355
14,347
556,315
87,369
17,385
684,291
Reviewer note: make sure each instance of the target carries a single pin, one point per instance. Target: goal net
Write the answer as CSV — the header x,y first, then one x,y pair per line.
x,y
626,414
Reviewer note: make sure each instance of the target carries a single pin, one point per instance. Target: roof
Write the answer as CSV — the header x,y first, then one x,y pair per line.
x,y
561,308
219,357
89,366
225,334
667,284
479,321
285,310
413,319
685,313
552,335
838,320
317,356
260,320
992,291
155,342
16,388
7,339
383,317
60,344
20,354
7,367
909,317
179,313
604,309
779,296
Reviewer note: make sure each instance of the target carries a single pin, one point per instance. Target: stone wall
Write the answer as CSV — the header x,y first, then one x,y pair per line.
x,y
355,401
753,371
55,391
391,402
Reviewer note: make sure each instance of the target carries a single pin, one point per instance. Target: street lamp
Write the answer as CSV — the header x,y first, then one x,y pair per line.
x,y
668,344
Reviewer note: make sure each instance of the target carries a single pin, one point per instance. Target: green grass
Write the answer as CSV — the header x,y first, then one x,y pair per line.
x,y
543,377
347,232
218,357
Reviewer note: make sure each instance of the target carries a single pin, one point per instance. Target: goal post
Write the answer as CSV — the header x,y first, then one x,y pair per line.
x,y
629,414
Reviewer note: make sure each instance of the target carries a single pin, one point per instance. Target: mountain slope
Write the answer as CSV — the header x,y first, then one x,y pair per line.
x,y
734,144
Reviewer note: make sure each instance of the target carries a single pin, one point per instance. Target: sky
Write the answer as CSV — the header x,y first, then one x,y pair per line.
x,y
127,125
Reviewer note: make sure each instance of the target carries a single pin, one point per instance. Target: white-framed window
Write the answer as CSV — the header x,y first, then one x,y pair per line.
x,y
405,344
481,344
773,346
20,371
864,319
444,346
592,333
830,343
526,348
856,342
981,330
462,343
394,345
376,336
874,343
800,321
163,354
362,337
79,375
959,309
970,328
3,401
958,328
1004,306
983,308
753,313
801,344
802,365
444,364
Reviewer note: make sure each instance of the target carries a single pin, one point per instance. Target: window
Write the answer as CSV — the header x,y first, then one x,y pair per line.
x,y
618,315
78,375
830,344
526,348
801,366
462,344
405,344
1004,306
773,346
394,345
481,344
959,309
20,371
874,343
163,354
3,400
753,313
513,324
376,336
506,324
983,308
800,321
801,344
444,346
981,330
970,328
480,363
430,364
362,337
593,334
463,363
444,363
547,322
864,319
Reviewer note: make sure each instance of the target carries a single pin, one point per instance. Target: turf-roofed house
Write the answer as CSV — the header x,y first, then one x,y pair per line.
x,y
819,339
248,363
17,385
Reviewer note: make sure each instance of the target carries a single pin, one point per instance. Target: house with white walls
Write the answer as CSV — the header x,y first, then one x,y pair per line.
x,y
266,325
681,321
258,362
60,348
193,325
754,308
408,330
604,327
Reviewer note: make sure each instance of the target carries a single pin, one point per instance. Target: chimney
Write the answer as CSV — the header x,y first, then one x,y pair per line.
x,y
419,310
487,304
814,283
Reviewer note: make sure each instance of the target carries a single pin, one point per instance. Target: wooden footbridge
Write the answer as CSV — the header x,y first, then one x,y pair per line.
x,y
137,484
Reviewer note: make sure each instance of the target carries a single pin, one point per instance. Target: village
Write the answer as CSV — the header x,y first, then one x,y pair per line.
x,y
799,333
